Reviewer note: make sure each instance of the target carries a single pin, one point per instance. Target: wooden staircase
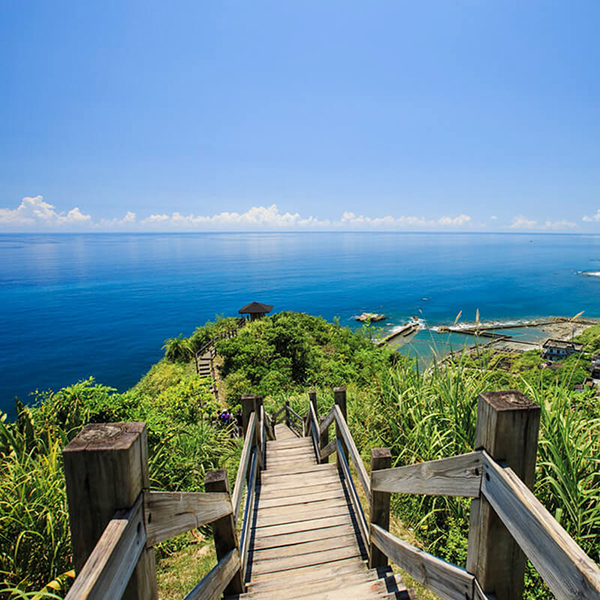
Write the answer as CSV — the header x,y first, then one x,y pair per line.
x,y
304,542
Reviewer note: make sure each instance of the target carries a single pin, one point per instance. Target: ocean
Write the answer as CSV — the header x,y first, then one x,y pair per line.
x,y
101,305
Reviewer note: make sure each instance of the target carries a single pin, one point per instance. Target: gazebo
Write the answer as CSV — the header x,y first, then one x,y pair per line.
x,y
256,310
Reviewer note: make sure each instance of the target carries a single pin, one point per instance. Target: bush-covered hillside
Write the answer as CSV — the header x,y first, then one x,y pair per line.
x,y
419,416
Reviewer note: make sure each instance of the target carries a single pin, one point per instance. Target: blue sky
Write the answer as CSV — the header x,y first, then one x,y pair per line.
x,y
433,115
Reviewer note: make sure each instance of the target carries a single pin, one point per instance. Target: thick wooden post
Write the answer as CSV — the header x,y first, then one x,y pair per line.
x,y
339,397
106,469
507,428
224,529
247,408
381,458
287,413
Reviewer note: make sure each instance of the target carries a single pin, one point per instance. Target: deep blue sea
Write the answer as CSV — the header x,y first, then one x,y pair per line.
x,y
75,306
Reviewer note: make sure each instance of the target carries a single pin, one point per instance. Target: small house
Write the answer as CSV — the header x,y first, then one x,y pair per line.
x,y
559,349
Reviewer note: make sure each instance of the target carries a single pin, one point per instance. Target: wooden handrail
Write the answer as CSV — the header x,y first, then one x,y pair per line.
x,y
294,414
563,565
236,500
353,452
108,569
248,511
454,476
444,579
214,583
358,509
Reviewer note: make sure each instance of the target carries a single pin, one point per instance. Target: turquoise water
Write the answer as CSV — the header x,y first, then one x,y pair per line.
x,y
74,306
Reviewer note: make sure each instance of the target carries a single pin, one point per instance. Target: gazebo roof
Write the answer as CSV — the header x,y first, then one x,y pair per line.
x,y
255,308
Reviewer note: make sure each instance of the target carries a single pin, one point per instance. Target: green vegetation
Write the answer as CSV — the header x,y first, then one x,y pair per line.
x,y
419,416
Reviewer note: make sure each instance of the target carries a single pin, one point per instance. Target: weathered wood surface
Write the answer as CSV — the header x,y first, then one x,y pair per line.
x,y
108,569
447,581
168,514
363,477
564,566
224,530
249,511
351,489
329,449
379,513
507,429
241,476
454,476
327,421
214,583
304,541
98,457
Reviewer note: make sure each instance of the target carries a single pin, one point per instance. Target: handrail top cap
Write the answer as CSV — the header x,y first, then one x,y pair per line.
x,y
509,400
105,436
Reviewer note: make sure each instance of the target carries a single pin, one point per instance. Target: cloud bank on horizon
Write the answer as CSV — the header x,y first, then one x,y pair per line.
x,y
34,214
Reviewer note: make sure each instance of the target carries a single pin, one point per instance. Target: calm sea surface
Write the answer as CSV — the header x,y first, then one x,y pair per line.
x,y
75,306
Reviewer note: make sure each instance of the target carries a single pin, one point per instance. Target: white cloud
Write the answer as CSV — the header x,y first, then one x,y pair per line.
x,y
522,222
33,212
593,218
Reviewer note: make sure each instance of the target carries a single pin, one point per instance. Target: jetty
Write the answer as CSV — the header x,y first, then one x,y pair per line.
x,y
401,332
299,525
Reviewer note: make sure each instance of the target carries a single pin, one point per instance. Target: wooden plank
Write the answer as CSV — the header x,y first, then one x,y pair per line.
x,y
353,452
301,498
309,469
454,476
448,581
358,509
270,493
563,565
328,449
168,514
292,457
296,481
321,575
276,565
327,421
263,542
238,488
314,505
348,540
214,583
108,569
305,525
297,516
287,450
341,589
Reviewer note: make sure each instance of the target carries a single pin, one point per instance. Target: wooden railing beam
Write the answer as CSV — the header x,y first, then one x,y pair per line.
x,y
224,530
507,429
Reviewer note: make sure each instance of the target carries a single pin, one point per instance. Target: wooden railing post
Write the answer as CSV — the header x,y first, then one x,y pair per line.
x,y
381,458
106,469
247,408
339,397
312,399
258,441
507,428
287,413
224,530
